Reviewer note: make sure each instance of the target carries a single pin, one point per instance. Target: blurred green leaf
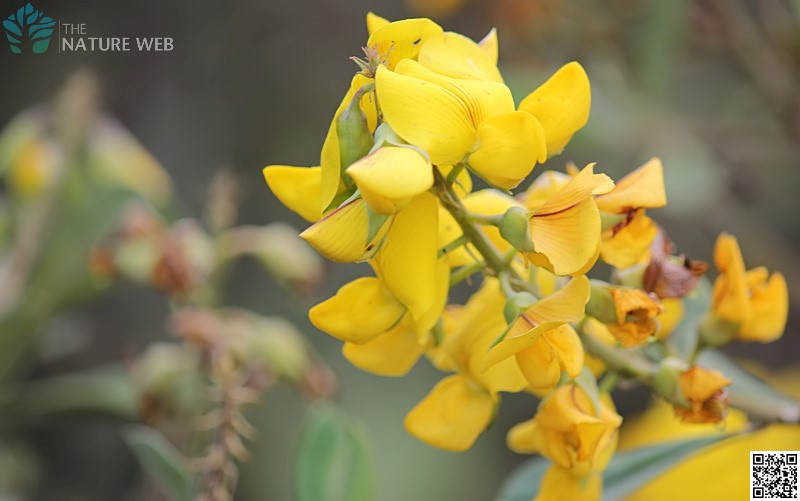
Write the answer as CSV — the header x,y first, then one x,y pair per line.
x,y
749,393
107,391
334,462
626,473
161,461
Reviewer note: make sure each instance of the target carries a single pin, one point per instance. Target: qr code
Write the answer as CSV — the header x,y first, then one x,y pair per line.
x,y
773,475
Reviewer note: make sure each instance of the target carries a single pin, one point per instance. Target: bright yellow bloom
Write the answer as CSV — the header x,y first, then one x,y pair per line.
x,y
565,230
561,105
461,406
671,315
756,302
390,177
453,119
570,432
636,313
341,235
375,22
541,340
704,389
33,168
454,55
625,243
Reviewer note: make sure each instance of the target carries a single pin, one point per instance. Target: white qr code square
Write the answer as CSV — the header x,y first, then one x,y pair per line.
x,y
773,475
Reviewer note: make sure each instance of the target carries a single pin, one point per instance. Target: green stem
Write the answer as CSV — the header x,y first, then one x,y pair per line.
x,y
465,272
622,361
474,235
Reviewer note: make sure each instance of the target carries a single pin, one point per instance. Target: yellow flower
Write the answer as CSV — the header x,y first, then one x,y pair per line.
x,y
704,389
454,119
565,230
342,235
461,406
561,105
625,243
542,342
33,168
753,300
570,432
390,177
636,313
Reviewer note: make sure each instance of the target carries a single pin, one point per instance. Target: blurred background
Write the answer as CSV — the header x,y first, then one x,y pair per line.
x,y
712,87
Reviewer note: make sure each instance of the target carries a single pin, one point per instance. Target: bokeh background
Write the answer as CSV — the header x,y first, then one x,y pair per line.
x,y
712,87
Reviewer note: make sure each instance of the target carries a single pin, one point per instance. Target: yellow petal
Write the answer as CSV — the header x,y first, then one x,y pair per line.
x,y
520,438
406,261
729,298
456,56
546,184
402,39
569,239
561,105
560,484
626,246
390,177
642,188
483,99
509,147
770,307
556,351
424,324
452,415
584,184
490,46
566,305
426,115
298,188
375,22
670,317
330,157
360,310
392,353
341,235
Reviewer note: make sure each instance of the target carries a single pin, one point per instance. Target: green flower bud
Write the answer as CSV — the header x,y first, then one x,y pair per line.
x,y
601,303
667,380
355,139
515,229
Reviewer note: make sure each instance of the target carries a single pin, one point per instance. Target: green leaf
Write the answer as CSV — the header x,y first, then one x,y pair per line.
x,y
749,393
334,461
626,473
161,461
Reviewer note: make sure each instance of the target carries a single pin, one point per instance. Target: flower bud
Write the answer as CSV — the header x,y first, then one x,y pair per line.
x,y
707,396
355,139
515,229
667,379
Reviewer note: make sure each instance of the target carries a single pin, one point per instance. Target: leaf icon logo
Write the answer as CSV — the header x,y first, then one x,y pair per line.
x,y
29,29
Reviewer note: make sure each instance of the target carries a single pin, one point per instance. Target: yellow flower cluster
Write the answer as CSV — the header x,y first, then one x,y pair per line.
x,y
427,111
